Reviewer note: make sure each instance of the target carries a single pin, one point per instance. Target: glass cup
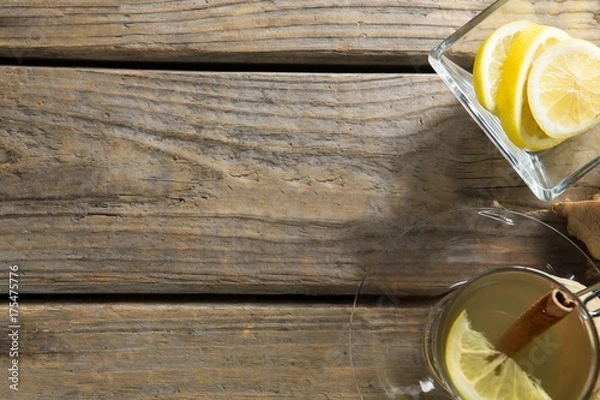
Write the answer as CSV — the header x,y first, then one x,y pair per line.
x,y
564,358
403,285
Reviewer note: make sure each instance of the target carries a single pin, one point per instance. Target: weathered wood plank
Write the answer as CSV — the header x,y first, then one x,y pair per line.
x,y
202,350
225,31
147,181
385,32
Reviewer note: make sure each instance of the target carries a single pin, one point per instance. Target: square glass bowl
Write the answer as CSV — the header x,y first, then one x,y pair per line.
x,y
547,173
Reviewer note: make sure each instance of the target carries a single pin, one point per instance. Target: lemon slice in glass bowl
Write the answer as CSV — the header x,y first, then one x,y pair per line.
x,y
512,105
478,371
563,88
489,60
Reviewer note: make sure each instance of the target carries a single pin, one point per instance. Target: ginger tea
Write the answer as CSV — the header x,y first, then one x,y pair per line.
x,y
560,363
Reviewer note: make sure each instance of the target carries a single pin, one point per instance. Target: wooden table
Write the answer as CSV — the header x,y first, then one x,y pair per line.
x,y
192,190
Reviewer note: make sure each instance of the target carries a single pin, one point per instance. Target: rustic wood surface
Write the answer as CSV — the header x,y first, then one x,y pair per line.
x,y
224,31
192,191
201,350
146,181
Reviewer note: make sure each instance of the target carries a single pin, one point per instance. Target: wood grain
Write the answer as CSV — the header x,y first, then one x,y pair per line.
x,y
148,181
202,350
224,31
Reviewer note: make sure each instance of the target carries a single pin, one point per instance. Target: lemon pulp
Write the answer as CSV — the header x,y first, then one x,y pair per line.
x,y
563,88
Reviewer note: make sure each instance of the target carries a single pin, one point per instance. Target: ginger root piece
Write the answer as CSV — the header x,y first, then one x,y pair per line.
x,y
583,222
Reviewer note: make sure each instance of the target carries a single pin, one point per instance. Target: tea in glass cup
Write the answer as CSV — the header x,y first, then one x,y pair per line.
x,y
496,337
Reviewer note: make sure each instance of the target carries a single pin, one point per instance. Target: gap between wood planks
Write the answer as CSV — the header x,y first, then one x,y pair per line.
x,y
193,298
219,67
185,298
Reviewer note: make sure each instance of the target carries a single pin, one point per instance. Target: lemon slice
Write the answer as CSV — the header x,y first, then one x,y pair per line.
x,y
512,106
480,372
489,60
563,88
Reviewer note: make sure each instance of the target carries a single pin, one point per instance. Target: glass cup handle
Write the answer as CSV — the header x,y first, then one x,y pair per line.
x,y
591,293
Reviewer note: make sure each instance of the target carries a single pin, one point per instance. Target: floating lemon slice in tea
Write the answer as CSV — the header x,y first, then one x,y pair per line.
x,y
563,88
512,106
490,59
479,371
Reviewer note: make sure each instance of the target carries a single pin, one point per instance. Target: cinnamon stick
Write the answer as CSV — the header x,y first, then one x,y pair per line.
x,y
544,313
